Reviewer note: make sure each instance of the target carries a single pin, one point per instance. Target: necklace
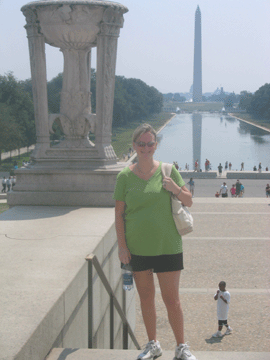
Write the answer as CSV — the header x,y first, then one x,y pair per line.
x,y
145,173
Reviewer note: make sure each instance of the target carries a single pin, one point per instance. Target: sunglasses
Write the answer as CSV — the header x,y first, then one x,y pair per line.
x,y
143,144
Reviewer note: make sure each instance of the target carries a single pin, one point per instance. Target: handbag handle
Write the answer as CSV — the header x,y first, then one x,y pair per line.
x,y
166,169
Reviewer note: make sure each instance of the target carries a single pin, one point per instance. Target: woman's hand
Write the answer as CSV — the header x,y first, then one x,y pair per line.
x,y
169,184
124,255
182,194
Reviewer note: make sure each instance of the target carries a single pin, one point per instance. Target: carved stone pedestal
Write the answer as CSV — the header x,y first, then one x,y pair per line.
x,y
76,171
65,187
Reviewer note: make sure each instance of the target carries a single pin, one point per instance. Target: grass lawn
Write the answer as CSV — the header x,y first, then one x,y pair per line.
x,y
8,164
3,207
248,117
122,135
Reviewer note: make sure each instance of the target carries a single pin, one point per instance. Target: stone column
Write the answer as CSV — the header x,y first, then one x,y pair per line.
x,y
106,62
75,108
36,43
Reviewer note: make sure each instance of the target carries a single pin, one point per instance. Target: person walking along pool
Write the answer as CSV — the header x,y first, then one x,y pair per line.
x,y
191,184
148,238
220,167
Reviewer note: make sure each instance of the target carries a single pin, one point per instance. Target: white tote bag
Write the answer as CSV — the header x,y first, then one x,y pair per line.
x,y
182,217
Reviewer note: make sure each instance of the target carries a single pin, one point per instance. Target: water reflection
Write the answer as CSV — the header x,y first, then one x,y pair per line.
x,y
191,137
196,138
250,129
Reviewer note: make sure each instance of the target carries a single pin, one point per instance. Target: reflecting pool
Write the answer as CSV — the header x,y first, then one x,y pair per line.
x,y
191,137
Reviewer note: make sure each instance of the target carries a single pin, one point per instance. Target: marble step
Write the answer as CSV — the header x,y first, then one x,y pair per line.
x,y
104,354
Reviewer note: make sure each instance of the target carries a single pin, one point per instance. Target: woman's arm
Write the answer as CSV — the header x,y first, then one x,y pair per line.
x,y
185,196
182,193
123,252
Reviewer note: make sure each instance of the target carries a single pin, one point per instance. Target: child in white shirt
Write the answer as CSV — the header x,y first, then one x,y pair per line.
x,y
223,298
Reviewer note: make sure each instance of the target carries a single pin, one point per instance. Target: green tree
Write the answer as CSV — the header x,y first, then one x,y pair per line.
x,y
177,97
11,135
21,108
168,97
260,103
245,100
54,93
93,90
134,99
230,100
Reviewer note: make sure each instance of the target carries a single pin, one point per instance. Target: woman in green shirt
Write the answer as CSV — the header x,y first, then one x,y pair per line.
x,y
148,238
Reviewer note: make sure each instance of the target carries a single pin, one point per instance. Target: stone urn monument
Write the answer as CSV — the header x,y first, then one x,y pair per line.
x,y
76,171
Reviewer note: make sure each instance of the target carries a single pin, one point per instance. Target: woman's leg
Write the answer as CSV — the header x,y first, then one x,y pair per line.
x,y
145,285
169,286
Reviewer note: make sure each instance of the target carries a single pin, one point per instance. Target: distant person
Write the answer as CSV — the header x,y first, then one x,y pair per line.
x,y
260,167
267,190
237,188
226,165
223,298
224,190
196,165
191,184
230,166
4,184
233,190
186,166
242,190
207,164
266,169
220,167
13,182
217,194
8,184
176,165
254,168
242,166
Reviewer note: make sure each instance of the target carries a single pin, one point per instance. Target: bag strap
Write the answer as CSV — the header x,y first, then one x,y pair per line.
x,y
166,169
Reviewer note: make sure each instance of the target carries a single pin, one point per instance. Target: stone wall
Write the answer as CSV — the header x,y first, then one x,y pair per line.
x,y
44,282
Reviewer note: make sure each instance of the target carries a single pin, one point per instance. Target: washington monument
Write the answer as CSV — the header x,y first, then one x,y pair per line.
x,y
197,73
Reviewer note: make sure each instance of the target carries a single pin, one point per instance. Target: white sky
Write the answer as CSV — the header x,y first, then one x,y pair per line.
x,y
156,44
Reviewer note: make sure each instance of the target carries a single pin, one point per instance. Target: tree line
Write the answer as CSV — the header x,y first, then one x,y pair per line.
x,y
16,115
133,99
257,104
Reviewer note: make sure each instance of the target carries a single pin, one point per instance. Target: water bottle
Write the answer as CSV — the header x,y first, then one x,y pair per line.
x,y
127,276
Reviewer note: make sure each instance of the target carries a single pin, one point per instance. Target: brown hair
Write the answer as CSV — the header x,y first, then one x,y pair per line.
x,y
142,129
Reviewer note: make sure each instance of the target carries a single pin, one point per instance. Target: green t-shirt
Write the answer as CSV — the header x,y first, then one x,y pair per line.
x,y
149,226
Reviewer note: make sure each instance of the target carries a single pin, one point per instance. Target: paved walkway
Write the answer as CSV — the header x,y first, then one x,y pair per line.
x,y
230,242
24,150
208,187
